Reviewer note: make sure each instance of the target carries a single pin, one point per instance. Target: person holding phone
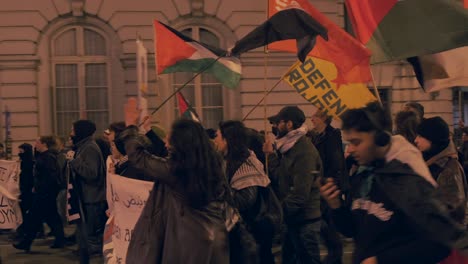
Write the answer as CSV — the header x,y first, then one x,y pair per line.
x,y
393,214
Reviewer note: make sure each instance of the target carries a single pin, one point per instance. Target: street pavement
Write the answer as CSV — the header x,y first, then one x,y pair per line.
x,y
41,253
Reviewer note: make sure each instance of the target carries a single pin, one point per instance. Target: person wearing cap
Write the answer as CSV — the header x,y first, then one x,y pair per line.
x,y
441,157
89,174
294,164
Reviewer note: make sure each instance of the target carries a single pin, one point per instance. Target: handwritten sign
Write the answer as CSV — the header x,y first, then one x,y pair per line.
x,y
10,212
127,199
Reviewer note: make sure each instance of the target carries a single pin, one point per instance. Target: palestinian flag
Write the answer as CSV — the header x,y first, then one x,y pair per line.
x,y
401,29
185,109
290,23
176,52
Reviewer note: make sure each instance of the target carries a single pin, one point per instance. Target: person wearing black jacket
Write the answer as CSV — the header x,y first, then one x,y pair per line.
x,y
88,172
44,205
118,131
26,179
392,214
328,142
26,176
246,176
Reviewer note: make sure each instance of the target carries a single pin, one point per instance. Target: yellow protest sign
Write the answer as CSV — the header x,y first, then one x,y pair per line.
x,y
316,80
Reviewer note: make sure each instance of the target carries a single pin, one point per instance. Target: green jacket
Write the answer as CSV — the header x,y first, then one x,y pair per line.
x,y
293,175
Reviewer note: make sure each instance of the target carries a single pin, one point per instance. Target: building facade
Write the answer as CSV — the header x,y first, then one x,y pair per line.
x,y
61,60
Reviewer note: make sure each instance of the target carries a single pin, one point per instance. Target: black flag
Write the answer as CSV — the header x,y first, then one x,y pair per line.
x,y
292,23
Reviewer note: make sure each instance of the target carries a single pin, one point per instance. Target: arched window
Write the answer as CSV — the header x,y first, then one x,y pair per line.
x,y
80,78
204,93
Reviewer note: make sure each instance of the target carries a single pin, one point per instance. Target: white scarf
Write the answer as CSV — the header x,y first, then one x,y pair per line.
x,y
289,140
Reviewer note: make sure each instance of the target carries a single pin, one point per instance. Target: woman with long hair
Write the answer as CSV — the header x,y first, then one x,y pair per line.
x,y
406,123
245,174
184,219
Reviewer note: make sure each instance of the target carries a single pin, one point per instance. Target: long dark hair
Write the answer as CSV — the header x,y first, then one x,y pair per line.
x,y
406,123
235,134
195,163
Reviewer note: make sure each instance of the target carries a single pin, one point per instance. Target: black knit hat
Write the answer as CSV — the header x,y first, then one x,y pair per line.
x,y
434,129
84,128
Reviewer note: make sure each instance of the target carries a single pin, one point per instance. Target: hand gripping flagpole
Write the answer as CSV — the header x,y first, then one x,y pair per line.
x,y
182,87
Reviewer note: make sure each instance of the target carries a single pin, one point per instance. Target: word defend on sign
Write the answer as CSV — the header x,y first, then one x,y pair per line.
x,y
10,212
315,80
127,199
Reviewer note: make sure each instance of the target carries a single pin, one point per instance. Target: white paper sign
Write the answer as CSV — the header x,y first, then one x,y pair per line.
x,y
128,198
10,212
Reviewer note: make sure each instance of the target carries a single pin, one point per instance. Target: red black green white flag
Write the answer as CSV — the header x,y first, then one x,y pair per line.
x,y
430,34
290,23
399,29
176,52
185,109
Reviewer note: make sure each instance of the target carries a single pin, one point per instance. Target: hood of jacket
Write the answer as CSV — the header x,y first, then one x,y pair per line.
x,y
442,157
407,153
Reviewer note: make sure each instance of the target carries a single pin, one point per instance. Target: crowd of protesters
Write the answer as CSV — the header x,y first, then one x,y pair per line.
x,y
227,195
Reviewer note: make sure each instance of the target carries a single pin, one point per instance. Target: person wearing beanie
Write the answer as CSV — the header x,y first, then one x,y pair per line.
x,y
88,174
433,140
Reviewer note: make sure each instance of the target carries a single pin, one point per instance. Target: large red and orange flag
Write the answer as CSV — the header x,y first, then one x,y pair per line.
x,y
334,77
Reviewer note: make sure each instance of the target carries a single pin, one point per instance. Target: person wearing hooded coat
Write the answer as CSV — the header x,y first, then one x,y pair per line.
x,y
26,176
441,157
26,182
45,190
88,171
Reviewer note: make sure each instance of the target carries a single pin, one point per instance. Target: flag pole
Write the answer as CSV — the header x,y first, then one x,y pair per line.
x,y
376,91
460,104
183,86
264,97
265,77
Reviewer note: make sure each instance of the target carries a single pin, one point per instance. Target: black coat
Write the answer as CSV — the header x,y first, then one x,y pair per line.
x,y
330,148
27,176
424,222
46,174
168,230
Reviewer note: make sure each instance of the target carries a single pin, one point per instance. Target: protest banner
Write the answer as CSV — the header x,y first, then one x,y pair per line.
x,y
10,212
316,81
128,198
